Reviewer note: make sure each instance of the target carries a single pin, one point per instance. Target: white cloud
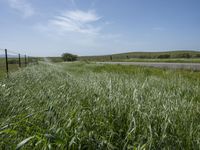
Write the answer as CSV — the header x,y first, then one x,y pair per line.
x,y
78,29
23,7
81,16
76,21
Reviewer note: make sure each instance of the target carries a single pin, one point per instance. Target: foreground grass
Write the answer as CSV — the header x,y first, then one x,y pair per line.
x,y
88,106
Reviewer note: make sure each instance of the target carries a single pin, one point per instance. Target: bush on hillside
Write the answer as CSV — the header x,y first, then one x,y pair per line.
x,y
198,55
69,57
184,55
164,56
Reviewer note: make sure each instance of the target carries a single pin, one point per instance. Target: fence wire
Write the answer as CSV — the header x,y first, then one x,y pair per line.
x,y
11,60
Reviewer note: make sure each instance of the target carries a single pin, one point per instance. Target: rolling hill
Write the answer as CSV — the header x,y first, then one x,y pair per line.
x,y
144,55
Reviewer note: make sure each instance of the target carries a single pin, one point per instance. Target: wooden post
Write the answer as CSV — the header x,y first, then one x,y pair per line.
x,y
111,58
6,55
25,60
19,60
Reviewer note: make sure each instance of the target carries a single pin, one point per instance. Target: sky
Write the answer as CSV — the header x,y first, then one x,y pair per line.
x,y
98,27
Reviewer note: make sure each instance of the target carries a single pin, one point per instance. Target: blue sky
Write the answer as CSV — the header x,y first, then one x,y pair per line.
x,y
97,27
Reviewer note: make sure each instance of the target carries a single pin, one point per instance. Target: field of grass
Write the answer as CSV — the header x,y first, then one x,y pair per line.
x,y
55,59
12,68
169,60
90,106
170,56
51,59
13,65
173,56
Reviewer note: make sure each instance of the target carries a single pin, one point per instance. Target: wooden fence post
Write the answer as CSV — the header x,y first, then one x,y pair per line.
x,y
25,60
6,55
111,58
19,61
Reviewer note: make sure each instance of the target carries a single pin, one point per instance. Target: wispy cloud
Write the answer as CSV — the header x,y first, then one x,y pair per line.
x,y
22,6
76,21
79,28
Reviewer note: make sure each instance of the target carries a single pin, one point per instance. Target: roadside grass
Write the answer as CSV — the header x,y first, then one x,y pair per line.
x,y
2,68
82,67
2,72
12,66
90,106
171,60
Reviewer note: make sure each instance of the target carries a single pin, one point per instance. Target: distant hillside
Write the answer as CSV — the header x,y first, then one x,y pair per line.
x,y
144,55
9,56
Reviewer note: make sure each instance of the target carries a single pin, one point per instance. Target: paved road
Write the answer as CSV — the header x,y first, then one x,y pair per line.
x,y
192,66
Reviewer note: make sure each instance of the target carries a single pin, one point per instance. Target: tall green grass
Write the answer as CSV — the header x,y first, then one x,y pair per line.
x,y
88,106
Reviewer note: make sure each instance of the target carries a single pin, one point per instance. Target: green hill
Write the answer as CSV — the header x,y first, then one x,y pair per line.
x,y
144,55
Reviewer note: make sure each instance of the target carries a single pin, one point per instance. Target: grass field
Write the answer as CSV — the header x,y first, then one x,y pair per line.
x,y
90,106
169,60
12,68
170,56
13,65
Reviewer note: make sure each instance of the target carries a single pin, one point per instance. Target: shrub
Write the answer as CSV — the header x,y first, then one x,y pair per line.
x,y
69,57
198,55
184,55
164,56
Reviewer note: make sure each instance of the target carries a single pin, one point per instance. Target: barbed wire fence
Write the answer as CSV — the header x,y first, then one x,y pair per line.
x,y
11,61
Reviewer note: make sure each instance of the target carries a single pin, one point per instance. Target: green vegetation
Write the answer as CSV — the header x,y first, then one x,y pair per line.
x,y
69,57
12,68
13,64
171,56
169,60
90,106
53,59
2,72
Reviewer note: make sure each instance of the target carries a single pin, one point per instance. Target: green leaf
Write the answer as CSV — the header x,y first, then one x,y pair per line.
x,y
22,143
9,131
